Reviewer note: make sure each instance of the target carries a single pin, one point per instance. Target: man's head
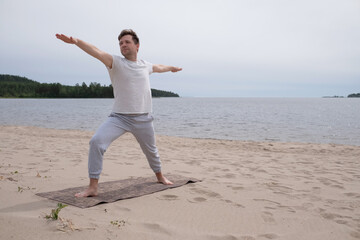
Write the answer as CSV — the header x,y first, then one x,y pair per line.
x,y
131,33
129,44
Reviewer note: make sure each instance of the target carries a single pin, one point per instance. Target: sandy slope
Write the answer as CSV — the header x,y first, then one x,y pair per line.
x,y
249,190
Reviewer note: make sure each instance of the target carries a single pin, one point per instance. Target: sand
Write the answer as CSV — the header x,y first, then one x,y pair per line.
x,y
249,190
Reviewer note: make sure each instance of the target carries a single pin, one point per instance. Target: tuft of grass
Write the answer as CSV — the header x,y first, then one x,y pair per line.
x,y
54,215
21,189
118,223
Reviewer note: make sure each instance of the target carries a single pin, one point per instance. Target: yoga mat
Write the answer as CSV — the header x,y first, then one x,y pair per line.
x,y
116,190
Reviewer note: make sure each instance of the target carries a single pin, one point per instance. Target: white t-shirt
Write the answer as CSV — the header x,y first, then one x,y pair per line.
x,y
131,84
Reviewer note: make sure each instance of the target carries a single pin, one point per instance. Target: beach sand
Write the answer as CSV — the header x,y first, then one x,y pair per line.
x,y
249,190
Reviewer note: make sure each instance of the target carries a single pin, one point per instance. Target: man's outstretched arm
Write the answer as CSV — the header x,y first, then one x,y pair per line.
x,y
88,48
163,68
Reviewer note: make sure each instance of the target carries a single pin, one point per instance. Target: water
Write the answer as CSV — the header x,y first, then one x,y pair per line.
x,y
315,120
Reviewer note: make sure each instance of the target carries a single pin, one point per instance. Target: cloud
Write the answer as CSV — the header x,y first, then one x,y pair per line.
x,y
225,47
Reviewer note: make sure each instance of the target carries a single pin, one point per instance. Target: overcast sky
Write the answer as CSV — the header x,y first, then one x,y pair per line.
x,y
239,48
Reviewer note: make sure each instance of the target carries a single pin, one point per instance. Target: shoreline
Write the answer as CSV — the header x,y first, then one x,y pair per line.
x,y
195,138
288,120
249,190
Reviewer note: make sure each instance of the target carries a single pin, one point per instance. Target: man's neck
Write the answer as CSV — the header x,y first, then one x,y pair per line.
x,y
131,58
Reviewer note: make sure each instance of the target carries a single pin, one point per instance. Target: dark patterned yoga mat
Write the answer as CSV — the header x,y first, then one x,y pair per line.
x,y
116,190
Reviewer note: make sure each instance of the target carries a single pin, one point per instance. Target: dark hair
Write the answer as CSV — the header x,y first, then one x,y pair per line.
x,y
129,32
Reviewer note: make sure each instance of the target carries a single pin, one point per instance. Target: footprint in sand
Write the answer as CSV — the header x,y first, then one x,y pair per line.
x,y
156,228
330,216
229,176
307,206
233,203
197,200
268,236
316,190
341,221
192,163
355,235
168,197
33,164
331,183
206,192
236,188
226,237
268,217
351,194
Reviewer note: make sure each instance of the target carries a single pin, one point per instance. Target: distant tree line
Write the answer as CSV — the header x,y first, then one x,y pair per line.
x,y
354,95
21,87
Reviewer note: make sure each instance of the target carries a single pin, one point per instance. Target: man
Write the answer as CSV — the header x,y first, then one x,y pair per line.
x,y
132,105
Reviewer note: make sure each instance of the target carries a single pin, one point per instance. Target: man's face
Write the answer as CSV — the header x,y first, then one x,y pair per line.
x,y
127,46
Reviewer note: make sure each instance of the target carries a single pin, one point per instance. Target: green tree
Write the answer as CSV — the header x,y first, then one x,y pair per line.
x,y
15,86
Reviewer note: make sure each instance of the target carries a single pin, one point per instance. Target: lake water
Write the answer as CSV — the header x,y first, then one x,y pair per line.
x,y
316,120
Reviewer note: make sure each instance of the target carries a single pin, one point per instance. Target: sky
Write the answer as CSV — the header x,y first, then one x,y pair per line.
x,y
227,48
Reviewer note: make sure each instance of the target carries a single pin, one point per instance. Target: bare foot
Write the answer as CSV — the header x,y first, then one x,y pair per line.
x,y
162,179
165,181
89,192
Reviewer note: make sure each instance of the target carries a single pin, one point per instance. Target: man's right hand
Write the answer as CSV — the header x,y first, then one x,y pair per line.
x,y
66,39
104,57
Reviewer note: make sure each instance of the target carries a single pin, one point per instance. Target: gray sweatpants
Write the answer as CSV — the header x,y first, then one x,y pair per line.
x,y
141,126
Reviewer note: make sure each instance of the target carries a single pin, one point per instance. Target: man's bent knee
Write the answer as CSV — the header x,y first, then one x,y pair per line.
x,y
96,141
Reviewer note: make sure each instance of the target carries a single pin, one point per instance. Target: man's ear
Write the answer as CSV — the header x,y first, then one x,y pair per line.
x,y
137,47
